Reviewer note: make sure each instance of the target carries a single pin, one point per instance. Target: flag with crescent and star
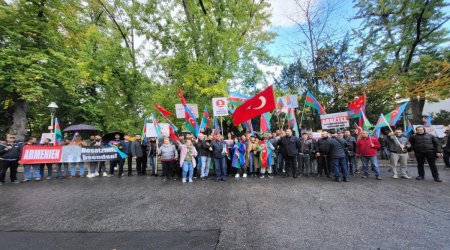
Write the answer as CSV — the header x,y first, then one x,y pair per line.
x,y
261,103
356,106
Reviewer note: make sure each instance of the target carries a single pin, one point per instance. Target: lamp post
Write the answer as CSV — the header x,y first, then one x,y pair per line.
x,y
52,106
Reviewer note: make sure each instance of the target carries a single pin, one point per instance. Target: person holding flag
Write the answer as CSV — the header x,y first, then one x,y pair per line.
x,y
366,148
238,152
398,146
266,157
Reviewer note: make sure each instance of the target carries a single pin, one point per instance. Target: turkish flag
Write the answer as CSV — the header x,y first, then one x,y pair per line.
x,y
180,94
261,103
358,103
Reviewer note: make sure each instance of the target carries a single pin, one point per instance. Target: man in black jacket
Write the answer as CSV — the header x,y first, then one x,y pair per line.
x,y
350,152
290,146
10,153
304,158
322,151
426,146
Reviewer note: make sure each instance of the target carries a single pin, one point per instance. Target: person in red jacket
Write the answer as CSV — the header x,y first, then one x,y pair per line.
x,y
366,148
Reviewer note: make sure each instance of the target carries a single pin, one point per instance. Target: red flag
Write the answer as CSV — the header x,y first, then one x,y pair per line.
x,y
263,102
183,101
358,103
172,134
162,110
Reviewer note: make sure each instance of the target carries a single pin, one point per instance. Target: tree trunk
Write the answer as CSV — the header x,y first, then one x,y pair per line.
x,y
416,105
19,126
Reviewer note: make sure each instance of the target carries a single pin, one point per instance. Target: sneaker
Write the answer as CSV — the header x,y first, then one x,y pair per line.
x,y
110,175
244,175
97,174
49,178
270,176
190,180
105,174
26,180
37,179
236,176
378,178
183,180
395,176
262,176
16,182
406,177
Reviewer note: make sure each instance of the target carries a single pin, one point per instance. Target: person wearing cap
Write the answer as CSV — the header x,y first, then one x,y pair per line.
x,y
338,158
10,153
426,146
366,148
398,145
446,149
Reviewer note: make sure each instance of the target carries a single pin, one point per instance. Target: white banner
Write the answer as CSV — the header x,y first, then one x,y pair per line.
x,y
150,130
436,130
220,106
179,109
50,136
335,120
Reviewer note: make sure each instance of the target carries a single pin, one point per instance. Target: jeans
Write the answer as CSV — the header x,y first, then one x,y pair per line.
x,y
351,163
206,161
365,161
220,167
384,153
403,158
27,171
73,168
49,169
93,167
431,159
187,167
338,165
66,169
304,164
153,164
280,162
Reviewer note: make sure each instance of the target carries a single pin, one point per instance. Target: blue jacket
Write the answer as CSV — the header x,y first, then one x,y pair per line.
x,y
337,147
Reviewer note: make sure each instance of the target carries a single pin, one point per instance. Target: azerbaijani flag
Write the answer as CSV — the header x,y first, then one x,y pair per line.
x,y
292,121
58,134
265,122
248,126
235,100
395,114
191,123
380,123
408,129
216,126
427,122
364,123
144,131
158,129
205,119
312,102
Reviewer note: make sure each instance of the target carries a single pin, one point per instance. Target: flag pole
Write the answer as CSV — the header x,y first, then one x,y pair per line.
x,y
301,118
389,125
221,125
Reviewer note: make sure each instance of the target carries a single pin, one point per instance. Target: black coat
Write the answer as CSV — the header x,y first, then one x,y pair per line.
x,y
323,146
425,143
290,146
337,147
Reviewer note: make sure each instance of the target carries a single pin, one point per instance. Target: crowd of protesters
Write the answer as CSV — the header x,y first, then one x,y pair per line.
x,y
337,154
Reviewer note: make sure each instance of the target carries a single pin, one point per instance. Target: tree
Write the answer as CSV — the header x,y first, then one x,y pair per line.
x,y
398,36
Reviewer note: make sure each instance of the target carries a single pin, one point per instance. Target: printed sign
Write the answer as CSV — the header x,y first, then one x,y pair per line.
x,y
335,120
98,154
220,106
179,109
33,154
151,130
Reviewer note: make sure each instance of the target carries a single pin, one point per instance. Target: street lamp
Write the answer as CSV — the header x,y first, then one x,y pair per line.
x,y
52,106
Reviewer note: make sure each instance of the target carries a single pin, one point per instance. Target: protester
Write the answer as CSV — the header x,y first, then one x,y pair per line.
x,y
64,165
10,153
187,160
137,153
446,149
366,148
338,158
238,160
31,169
76,142
266,157
151,155
46,142
350,152
322,154
427,147
127,150
398,146
205,149
118,143
304,157
254,156
168,155
290,147
95,142
219,152
384,149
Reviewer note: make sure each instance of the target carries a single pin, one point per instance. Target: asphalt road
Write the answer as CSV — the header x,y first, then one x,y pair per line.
x,y
147,213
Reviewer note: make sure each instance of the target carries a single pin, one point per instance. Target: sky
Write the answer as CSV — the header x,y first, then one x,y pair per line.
x,y
284,47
